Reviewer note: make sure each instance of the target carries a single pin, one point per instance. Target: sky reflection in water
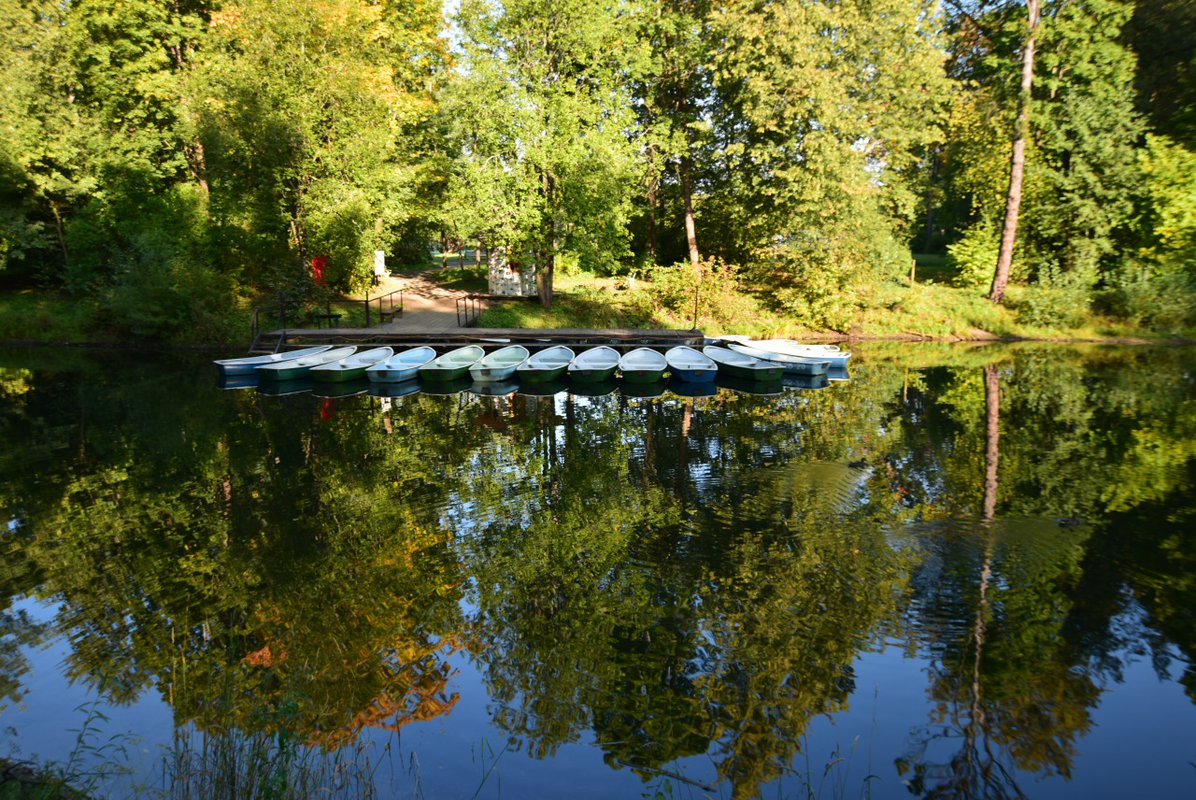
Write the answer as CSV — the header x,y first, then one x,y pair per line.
x,y
964,572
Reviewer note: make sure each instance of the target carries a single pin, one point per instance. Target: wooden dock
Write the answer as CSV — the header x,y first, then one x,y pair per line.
x,y
534,338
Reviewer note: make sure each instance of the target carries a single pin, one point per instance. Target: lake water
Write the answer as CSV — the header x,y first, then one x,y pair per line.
x,y
964,572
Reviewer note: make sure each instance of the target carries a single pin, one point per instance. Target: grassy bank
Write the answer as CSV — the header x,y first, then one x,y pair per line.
x,y
931,308
925,310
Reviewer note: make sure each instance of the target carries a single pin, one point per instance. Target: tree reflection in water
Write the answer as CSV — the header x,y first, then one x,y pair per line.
x,y
666,577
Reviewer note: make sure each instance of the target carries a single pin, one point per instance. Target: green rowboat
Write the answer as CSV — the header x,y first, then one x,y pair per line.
x,y
452,365
594,365
301,367
352,367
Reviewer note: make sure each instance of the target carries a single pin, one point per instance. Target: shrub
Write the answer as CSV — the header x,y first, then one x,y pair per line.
x,y
1058,299
717,290
1156,295
974,256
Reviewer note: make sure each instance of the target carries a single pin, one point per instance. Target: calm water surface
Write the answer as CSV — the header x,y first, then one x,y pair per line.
x,y
961,573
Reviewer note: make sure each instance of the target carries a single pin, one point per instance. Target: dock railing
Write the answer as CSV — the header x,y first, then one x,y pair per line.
x,y
388,308
469,308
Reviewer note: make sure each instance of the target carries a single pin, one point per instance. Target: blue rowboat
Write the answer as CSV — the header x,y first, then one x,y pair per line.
x,y
247,365
689,365
402,366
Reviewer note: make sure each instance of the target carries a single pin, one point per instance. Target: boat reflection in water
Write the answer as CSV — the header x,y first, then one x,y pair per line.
x,y
642,390
333,390
791,381
684,388
592,389
544,388
493,388
443,388
238,381
283,388
398,389
746,386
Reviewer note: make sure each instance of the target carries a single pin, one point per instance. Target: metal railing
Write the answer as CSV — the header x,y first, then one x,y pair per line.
x,y
469,308
280,313
388,309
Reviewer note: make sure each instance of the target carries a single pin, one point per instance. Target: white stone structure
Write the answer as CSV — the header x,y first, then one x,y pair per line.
x,y
504,280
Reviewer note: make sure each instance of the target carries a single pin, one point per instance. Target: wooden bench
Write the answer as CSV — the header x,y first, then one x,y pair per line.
x,y
333,319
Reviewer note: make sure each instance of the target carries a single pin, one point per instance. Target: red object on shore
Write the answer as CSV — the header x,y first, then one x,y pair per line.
x,y
317,269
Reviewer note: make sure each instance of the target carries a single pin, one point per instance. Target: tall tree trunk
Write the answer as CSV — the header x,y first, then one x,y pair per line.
x,y
547,246
691,235
66,256
653,189
992,438
1017,162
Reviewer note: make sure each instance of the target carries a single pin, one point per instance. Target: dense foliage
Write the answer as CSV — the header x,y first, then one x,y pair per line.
x,y
167,161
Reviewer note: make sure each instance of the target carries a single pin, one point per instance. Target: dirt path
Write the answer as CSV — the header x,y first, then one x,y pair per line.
x,y
427,306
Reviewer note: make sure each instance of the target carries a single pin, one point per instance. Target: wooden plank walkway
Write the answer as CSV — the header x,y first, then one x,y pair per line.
x,y
534,338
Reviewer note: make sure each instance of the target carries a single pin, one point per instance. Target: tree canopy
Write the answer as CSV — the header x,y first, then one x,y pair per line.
x,y
162,158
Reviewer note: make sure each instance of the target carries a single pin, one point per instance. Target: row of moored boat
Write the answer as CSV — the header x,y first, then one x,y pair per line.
x,y
753,360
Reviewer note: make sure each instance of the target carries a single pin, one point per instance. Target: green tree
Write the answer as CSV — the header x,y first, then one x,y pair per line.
x,y
822,112
540,115
94,158
313,119
1072,119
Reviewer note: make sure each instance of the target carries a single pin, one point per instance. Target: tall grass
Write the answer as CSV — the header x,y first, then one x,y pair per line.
x,y
239,765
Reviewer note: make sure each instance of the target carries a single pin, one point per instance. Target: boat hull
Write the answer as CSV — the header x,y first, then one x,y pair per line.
x,y
642,365
784,348
546,375
792,365
230,367
694,375
392,375
744,367
443,374
499,366
641,376
545,366
338,375
401,367
492,374
451,366
769,373
275,373
594,366
352,368
690,365
595,375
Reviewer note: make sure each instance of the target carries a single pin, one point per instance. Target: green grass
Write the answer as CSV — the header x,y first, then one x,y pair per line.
x,y
931,308
580,307
934,267
469,278
925,310
36,315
